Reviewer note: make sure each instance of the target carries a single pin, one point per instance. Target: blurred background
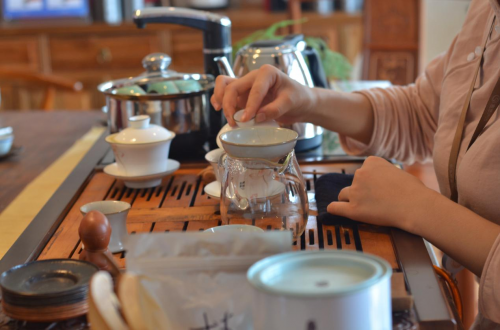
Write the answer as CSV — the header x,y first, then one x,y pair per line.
x,y
54,53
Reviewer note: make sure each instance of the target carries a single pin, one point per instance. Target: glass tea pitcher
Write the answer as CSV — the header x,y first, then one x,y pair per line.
x,y
264,193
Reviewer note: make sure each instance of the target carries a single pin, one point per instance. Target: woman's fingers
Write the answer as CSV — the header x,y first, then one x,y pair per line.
x,y
344,195
274,109
264,81
251,92
342,209
233,91
220,85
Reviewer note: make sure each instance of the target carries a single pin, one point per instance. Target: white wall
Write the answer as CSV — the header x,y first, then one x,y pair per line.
x,y
440,21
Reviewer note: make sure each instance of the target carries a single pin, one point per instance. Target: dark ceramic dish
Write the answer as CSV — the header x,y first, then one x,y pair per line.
x,y
47,282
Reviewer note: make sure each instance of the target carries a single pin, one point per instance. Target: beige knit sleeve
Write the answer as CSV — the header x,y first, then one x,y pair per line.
x,y
489,286
405,117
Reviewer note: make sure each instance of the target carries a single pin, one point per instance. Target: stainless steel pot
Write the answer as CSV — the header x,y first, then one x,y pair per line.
x,y
176,101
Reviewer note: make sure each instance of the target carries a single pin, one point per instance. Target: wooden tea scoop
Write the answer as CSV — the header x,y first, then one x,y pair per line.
x,y
95,233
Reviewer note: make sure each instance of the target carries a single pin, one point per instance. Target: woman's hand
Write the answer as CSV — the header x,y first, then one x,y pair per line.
x,y
382,194
266,93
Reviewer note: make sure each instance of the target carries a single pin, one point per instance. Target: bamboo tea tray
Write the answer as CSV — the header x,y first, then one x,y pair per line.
x,y
179,204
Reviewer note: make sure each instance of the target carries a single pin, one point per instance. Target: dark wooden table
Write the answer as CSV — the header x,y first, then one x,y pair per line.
x,y
45,136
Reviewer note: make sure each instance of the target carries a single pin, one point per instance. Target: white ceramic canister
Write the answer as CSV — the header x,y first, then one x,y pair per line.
x,y
141,149
334,290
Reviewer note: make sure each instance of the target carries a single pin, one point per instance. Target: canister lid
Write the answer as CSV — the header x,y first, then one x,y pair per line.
x,y
140,132
318,273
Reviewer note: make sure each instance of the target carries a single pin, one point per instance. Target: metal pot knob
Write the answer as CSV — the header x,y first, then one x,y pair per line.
x,y
156,62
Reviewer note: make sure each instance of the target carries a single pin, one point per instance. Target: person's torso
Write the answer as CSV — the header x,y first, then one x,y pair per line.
x,y
478,169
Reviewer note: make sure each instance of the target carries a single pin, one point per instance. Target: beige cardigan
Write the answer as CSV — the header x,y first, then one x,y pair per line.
x,y
417,122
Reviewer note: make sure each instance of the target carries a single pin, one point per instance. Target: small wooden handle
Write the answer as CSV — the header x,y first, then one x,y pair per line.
x,y
95,231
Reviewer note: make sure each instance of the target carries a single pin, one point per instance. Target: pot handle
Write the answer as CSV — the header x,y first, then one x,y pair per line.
x,y
316,68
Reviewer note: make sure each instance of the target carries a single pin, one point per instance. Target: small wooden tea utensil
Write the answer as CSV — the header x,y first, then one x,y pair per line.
x,y
104,307
95,233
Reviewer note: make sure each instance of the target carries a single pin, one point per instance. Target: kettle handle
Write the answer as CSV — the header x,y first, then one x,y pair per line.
x,y
293,39
316,68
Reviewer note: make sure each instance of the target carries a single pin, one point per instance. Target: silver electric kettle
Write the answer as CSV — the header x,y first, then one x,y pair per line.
x,y
293,57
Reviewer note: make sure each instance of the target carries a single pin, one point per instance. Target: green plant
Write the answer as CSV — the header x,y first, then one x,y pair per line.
x,y
336,66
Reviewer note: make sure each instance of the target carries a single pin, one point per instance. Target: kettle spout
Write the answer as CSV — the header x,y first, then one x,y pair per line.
x,y
224,66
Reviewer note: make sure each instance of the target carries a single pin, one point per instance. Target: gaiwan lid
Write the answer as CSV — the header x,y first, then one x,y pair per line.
x,y
140,131
316,274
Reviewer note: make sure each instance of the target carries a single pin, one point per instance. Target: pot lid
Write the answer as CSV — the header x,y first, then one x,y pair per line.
x,y
158,83
141,131
290,43
318,273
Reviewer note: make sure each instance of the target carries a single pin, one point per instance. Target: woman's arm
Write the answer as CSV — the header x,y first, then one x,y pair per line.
x,y
268,93
349,114
456,230
382,194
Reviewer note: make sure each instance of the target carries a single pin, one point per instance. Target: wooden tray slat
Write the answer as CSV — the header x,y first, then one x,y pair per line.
x,y
201,225
330,238
240,222
311,234
65,239
152,197
203,199
269,223
347,238
169,226
179,204
377,241
181,191
174,214
137,227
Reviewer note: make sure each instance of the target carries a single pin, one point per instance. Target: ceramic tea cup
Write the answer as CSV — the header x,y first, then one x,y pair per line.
x,y
259,142
213,158
6,143
116,212
258,183
141,149
234,228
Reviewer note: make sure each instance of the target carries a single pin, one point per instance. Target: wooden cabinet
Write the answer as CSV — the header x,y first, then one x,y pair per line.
x,y
19,52
391,40
98,52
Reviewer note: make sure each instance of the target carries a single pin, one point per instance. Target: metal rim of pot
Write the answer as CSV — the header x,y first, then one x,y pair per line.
x,y
207,81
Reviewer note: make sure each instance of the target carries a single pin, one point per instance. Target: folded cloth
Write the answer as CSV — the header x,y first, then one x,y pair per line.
x,y
327,189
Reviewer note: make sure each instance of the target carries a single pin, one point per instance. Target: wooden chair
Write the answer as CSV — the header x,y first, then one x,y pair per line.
x,y
295,13
50,83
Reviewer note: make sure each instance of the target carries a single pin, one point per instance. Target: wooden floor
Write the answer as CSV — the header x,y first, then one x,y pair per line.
x,y
180,204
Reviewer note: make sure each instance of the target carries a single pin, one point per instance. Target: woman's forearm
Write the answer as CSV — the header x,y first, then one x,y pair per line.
x,y
456,230
350,114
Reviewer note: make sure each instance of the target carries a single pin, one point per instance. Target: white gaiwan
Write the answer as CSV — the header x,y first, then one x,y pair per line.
x,y
6,139
264,142
250,123
141,149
